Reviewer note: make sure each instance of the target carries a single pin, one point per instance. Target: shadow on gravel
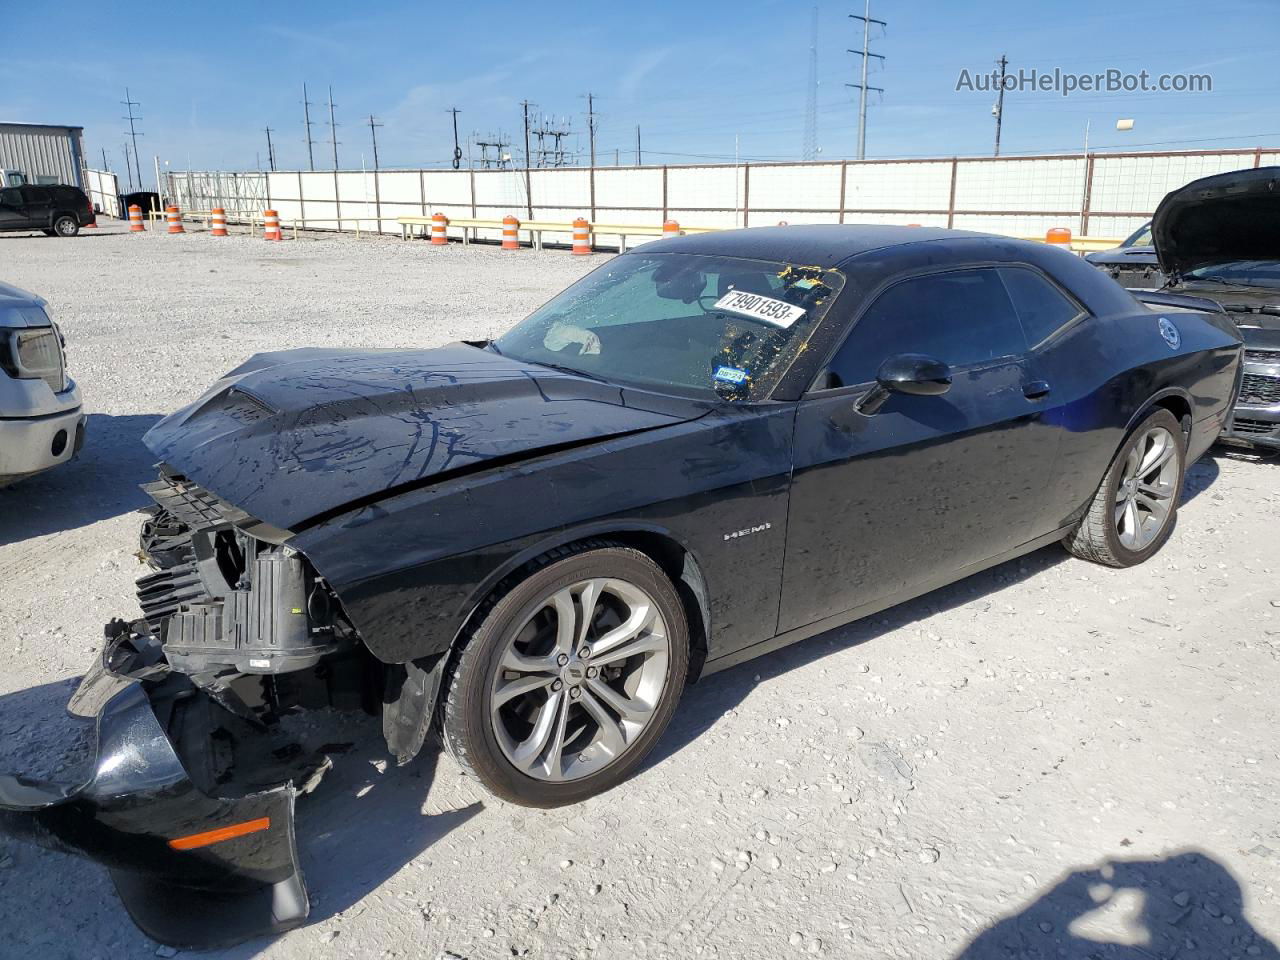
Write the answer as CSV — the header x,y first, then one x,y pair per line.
x,y
101,482
1186,904
711,698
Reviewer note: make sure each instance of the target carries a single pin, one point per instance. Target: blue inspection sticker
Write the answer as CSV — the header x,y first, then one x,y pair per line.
x,y
730,375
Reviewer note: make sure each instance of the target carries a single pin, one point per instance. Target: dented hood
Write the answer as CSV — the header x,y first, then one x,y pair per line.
x,y
1230,216
290,436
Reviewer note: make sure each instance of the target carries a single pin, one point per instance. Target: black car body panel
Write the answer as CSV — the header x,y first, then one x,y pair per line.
x,y
1214,221
404,487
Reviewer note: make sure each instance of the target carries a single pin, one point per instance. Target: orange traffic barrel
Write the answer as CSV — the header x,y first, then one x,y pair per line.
x,y
1058,237
581,237
438,223
173,217
510,233
218,222
270,225
135,219
670,228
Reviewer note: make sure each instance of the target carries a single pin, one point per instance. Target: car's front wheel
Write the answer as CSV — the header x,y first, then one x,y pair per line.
x,y
569,678
66,225
1133,511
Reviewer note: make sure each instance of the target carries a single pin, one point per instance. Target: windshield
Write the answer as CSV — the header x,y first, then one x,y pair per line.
x,y
1140,238
720,326
1248,273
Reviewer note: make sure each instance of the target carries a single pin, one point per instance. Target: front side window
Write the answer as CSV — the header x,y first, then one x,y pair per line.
x,y
1042,307
11,196
962,317
720,326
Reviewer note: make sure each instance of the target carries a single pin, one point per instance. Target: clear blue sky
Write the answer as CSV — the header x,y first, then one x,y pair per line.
x,y
691,74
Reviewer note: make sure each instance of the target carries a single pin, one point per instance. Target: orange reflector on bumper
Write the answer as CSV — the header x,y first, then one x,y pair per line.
x,y
210,837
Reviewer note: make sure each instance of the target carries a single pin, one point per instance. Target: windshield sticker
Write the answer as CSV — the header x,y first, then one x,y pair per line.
x,y
731,375
777,312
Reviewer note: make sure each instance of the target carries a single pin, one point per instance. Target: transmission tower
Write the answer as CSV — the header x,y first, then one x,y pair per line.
x,y
810,150
500,159
862,87
555,132
333,130
134,134
306,126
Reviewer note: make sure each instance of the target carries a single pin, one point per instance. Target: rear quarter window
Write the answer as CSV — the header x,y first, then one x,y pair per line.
x,y
1042,307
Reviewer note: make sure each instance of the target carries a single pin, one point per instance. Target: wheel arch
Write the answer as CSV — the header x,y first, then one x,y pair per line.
x,y
1174,399
673,556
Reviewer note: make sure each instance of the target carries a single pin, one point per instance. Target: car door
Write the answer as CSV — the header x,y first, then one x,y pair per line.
x,y
885,503
13,215
39,204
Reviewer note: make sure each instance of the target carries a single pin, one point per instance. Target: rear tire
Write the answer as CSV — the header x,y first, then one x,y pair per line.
x,y
66,225
1134,509
593,699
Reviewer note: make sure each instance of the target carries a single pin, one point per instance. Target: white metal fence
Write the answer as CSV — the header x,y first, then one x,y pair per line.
x,y
1105,195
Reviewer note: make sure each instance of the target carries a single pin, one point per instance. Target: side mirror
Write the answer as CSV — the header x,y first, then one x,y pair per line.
x,y
913,374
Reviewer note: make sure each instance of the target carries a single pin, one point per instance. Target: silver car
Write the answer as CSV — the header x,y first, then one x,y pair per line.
x,y
41,420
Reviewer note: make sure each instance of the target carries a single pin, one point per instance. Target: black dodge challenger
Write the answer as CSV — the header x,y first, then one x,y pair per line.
x,y
706,449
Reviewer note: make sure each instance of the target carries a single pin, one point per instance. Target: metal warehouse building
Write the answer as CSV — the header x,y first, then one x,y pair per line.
x,y
43,153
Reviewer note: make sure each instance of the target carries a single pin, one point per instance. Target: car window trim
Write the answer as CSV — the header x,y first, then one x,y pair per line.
x,y
893,281
1081,310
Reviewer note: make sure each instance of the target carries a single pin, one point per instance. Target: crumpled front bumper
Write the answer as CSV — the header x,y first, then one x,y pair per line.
x,y
197,862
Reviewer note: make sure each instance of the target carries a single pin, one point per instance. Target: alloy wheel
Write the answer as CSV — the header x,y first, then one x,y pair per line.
x,y
1147,488
580,679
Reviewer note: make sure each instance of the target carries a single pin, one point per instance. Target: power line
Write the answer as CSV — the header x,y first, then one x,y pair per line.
x,y
306,124
862,87
810,147
130,103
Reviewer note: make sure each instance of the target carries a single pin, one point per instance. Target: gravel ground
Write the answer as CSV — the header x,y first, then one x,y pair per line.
x,y
1048,759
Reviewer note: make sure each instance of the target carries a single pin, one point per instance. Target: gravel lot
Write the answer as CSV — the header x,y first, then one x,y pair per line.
x,y
1038,761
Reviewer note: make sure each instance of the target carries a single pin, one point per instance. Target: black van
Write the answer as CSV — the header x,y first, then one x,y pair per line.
x,y
58,210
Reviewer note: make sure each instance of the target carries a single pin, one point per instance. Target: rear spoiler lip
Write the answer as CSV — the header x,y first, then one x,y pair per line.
x,y
1157,299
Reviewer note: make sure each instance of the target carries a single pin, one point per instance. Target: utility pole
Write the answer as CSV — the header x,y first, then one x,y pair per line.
x,y
809,150
128,170
105,168
306,125
862,87
591,125
528,179
271,151
333,130
130,103
639,161
457,150
373,132
998,109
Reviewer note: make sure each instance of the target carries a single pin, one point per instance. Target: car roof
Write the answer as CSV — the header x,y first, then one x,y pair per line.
x,y
817,244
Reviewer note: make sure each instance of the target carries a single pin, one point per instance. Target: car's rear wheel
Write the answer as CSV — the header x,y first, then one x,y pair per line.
x,y
66,225
1133,512
569,678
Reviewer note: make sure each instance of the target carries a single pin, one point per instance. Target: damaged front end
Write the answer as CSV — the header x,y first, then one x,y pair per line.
x,y
188,797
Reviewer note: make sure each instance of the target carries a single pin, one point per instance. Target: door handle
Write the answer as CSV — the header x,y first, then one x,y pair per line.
x,y
1035,389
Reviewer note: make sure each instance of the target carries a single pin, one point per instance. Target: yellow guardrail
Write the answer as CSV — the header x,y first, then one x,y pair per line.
x,y
536,228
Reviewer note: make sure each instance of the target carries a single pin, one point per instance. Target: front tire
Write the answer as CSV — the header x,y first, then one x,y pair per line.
x,y
1133,511
569,678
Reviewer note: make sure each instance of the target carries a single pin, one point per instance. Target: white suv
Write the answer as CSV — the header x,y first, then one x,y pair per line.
x,y
41,421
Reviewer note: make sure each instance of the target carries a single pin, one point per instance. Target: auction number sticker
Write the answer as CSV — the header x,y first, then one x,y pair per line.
x,y
778,312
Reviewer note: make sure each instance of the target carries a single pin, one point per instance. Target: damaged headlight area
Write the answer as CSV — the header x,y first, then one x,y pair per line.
x,y
189,798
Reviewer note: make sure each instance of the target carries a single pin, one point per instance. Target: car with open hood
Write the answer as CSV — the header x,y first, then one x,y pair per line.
x,y
706,449
1219,238
1133,263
